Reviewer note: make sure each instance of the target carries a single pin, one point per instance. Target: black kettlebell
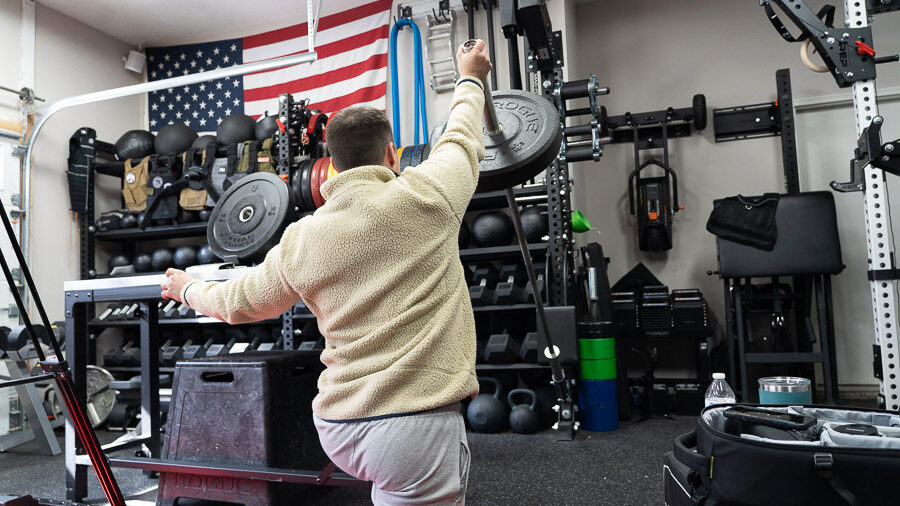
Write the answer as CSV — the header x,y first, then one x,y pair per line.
x,y
523,419
487,413
118,261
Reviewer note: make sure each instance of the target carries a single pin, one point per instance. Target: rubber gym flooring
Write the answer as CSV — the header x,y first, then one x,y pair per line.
x,y
616,468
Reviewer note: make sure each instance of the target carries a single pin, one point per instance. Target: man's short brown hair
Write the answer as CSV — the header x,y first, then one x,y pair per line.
x,y
358,136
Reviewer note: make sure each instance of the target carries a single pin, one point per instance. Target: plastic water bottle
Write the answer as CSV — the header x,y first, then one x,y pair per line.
x,y
719,392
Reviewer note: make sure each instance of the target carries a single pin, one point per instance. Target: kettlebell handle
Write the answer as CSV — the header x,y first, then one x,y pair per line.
x,y
525,391
494,381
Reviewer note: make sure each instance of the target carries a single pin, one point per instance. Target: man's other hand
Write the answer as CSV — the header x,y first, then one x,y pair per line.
x,y
476,62
175,281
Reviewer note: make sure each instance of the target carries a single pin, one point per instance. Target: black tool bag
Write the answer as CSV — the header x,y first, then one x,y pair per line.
x,y
746,220
715,466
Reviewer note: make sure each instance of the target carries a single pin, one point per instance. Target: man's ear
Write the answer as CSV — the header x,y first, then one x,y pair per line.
x,y
390,157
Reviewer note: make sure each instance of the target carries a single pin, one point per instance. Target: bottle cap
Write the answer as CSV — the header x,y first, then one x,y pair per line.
x,y
718,375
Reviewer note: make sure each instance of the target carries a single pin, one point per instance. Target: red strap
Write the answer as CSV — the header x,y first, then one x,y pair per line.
x,y
280,125
863,48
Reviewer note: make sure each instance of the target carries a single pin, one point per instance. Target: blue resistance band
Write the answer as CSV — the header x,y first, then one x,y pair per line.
x,y
421,117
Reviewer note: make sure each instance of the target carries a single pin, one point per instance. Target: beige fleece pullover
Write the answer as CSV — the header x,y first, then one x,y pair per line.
x,y
378,265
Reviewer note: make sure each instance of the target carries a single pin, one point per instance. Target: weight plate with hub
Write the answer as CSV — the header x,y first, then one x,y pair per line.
x,y
526,145
305,187
249,218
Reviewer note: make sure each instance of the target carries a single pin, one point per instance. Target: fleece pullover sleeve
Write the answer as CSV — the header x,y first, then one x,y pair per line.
x,y
452,167
263,292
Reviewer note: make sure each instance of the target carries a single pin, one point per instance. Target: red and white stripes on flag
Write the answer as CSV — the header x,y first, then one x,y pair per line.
x,y
351,69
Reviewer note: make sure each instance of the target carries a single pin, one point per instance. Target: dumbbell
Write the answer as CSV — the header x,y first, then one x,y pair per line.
x,y
126,356
169,309
192,351
501,349
270,346
529,291
241,347
509,289
107,313
186,312
122,417
220,349
170,354
480,293
529,350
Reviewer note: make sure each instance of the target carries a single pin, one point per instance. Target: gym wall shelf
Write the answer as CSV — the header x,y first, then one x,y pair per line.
x,y
153,233
500,252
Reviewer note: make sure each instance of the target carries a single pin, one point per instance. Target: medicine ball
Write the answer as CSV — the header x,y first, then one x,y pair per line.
x,y
175,138
161,259
204,141
465,236
204,214
534,223
492,229
205,255
142,263
185,256
235,128
128,221
117,261
135,144
265,127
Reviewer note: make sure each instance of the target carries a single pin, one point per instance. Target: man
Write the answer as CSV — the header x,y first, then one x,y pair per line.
x,y
379,266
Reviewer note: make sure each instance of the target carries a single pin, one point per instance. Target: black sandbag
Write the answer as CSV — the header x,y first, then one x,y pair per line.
x,y
236,128
135,144
175,138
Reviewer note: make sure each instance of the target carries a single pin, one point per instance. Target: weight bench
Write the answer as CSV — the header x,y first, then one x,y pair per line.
x,y
808,250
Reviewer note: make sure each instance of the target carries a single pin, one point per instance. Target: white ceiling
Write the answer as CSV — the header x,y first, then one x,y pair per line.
x,y
172,22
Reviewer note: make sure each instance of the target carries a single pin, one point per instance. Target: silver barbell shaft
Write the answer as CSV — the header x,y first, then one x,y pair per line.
x,y
491,124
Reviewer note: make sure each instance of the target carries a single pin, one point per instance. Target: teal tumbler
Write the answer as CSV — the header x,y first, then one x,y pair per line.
x,y
785,390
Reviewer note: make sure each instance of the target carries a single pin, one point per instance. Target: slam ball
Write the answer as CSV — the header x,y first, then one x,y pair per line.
x,y
465,236
161,259
142,263
492,229
534,223
205,255
236,128
185,256
118,261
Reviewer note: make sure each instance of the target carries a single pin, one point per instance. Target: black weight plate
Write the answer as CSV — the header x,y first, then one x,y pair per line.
x,y
249,218
405,157
526,145
417,154
305,188
295,185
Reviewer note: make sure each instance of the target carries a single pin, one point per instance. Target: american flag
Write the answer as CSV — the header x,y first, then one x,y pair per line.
x,y
351,69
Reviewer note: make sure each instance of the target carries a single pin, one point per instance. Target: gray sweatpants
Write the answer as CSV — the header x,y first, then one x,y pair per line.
x,y
412,459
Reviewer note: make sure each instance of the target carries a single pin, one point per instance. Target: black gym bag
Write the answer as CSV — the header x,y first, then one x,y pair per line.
x,y
712,466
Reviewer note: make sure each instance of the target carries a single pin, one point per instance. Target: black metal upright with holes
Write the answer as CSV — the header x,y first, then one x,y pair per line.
x,y
785,101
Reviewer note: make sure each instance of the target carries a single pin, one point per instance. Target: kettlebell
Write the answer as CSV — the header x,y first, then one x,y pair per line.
x,y
487,413
523,419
